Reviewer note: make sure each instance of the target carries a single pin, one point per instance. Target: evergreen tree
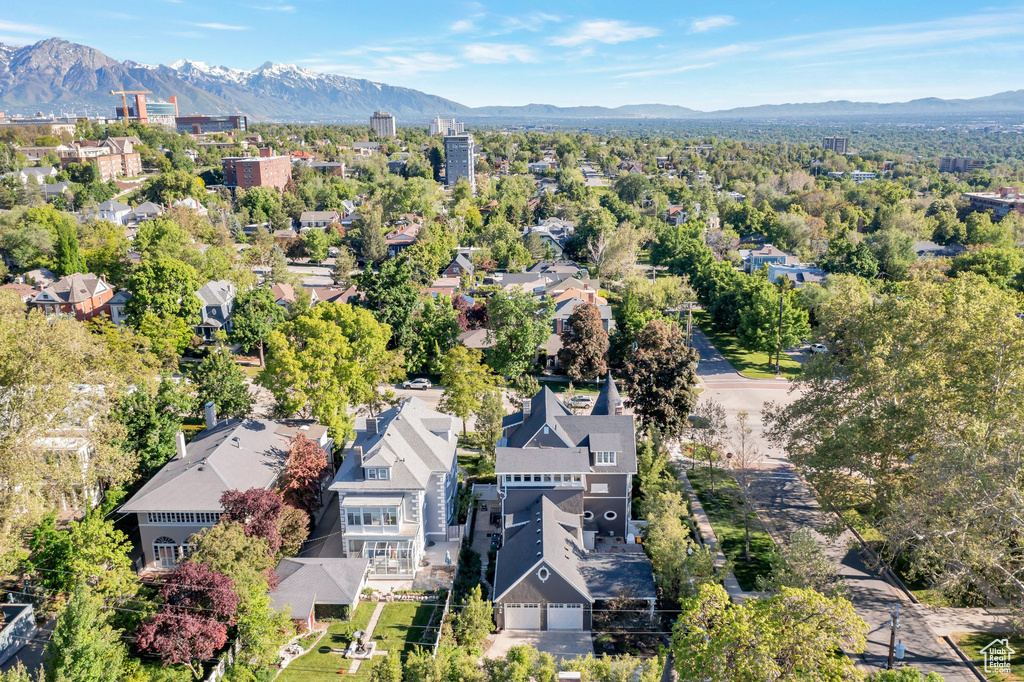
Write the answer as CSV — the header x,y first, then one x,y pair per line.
x,y
68,258
220,380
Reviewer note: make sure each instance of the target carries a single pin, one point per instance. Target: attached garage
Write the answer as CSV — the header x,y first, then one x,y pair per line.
x,y
565,616
522,616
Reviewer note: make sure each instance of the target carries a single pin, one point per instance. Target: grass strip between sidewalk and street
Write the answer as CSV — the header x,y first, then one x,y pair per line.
x,y
752,365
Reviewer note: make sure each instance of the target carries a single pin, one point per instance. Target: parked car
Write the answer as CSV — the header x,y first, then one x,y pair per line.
x,y
420,384
580,401
816,348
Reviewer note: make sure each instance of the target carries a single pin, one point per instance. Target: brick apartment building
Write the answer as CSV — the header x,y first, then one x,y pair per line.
x,y
1000,202
257,171
114,156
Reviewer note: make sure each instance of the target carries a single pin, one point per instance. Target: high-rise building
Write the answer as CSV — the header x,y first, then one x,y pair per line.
x,y
383,124
950,164
446,126
211,124
459,159
836,144
151,111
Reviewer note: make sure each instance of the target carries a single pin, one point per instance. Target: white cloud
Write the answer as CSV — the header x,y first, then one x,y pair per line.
x,y
462,25
275,8
220,27
713,22
666,72
498,53
610,32
27,29
530,22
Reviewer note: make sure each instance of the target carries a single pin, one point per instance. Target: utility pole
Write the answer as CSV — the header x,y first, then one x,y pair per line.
x,y
689,324
894,625
778,353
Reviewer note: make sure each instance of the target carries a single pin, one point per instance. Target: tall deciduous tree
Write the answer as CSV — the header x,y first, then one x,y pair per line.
x,y
316,243
164,288
794,635
466,380
518,324
660,378
680,564
151,422
435,329
219,379
584,350
256,314
391,296
304,473
760,323
370,230
83,648
68,258
246,559
326,359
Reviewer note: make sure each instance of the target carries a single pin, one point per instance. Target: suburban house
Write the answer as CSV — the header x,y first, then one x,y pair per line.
x,y
553,232
401,238
184,496
798,274
459,265
218,303
933,250
397,487
26,292
567,307
17,628
321,219
114,211
304,584
565,482
117,305
284,294
143,212
758,258
191,204
81,296
36,175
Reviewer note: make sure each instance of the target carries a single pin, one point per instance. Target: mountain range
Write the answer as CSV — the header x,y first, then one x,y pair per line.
x,y
56,76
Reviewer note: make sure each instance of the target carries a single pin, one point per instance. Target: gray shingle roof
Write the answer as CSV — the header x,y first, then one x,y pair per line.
x,y
217,293
233,455
609,575
76,287
551,535
608,398
544,407
306,582
541,460
407,441
569,305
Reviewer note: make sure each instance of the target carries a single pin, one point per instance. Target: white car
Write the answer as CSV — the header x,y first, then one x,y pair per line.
x,y
420,384
580,401
816,348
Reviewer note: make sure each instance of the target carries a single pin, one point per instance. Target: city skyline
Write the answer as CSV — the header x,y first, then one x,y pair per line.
x,y
702,55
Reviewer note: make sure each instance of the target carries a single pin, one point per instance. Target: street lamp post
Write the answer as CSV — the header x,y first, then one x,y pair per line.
x,y
894,625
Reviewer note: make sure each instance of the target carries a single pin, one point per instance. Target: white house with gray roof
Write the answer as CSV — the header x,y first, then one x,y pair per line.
x,y
184,496
397,487
218,304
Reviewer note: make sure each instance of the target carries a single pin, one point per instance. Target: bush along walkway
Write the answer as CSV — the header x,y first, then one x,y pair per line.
x,y
710,539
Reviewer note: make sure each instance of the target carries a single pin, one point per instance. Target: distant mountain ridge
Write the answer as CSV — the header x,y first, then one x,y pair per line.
x,y
55,75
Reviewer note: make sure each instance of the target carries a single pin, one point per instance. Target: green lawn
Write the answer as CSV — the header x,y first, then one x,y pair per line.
x,y
973,642
314,665
581,387
403,625
724,508
747,363
477,466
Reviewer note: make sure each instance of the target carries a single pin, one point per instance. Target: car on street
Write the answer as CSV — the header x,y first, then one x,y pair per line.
x,y
420,384
580,401
816,348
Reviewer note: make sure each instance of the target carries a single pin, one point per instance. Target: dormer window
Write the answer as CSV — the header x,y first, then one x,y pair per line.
x,y
378,474
604,458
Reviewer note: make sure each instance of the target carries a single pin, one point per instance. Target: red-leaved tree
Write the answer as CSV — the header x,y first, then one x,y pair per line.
x,y
259,512
182,637
304,473
197,605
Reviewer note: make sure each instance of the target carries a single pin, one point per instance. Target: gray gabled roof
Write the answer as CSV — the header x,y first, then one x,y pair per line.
x,y
217,293
411,440
462,262
233,455
307,582
608,398
550,535
111,205
567,307
544,408
540,460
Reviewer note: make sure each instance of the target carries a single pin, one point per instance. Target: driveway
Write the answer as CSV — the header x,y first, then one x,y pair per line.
x,y
559,643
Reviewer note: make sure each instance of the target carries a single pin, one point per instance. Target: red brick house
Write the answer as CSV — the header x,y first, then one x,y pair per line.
x,y
83,296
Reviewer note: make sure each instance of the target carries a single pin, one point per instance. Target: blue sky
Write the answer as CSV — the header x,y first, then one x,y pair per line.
x,y
705,55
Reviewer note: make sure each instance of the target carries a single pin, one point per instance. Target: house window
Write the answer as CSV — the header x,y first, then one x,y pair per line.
x,y
605,458
588,515
372,516
377,474
598,487
543,573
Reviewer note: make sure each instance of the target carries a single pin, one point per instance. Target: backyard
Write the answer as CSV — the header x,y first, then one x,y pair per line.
x,y
971,643
748,363
724,508
402,626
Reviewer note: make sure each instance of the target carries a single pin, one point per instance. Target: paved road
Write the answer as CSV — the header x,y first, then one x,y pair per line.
x,y
786,504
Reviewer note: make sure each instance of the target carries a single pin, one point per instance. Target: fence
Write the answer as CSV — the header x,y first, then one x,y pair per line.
x,y
223,661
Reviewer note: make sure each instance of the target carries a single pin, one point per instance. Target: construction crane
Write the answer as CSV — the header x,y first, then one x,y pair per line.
x,y
124,98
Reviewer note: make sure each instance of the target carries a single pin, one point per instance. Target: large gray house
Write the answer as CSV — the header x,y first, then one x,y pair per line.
x,y
184,496
218,304
565,482
397,487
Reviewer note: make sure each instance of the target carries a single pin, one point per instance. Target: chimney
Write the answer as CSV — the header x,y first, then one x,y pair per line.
x,y
618,407
357,459
371,426
179,442
527,408
211,415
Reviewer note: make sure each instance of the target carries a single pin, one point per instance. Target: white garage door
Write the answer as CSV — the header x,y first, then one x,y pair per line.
x,y
522,616
565,616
